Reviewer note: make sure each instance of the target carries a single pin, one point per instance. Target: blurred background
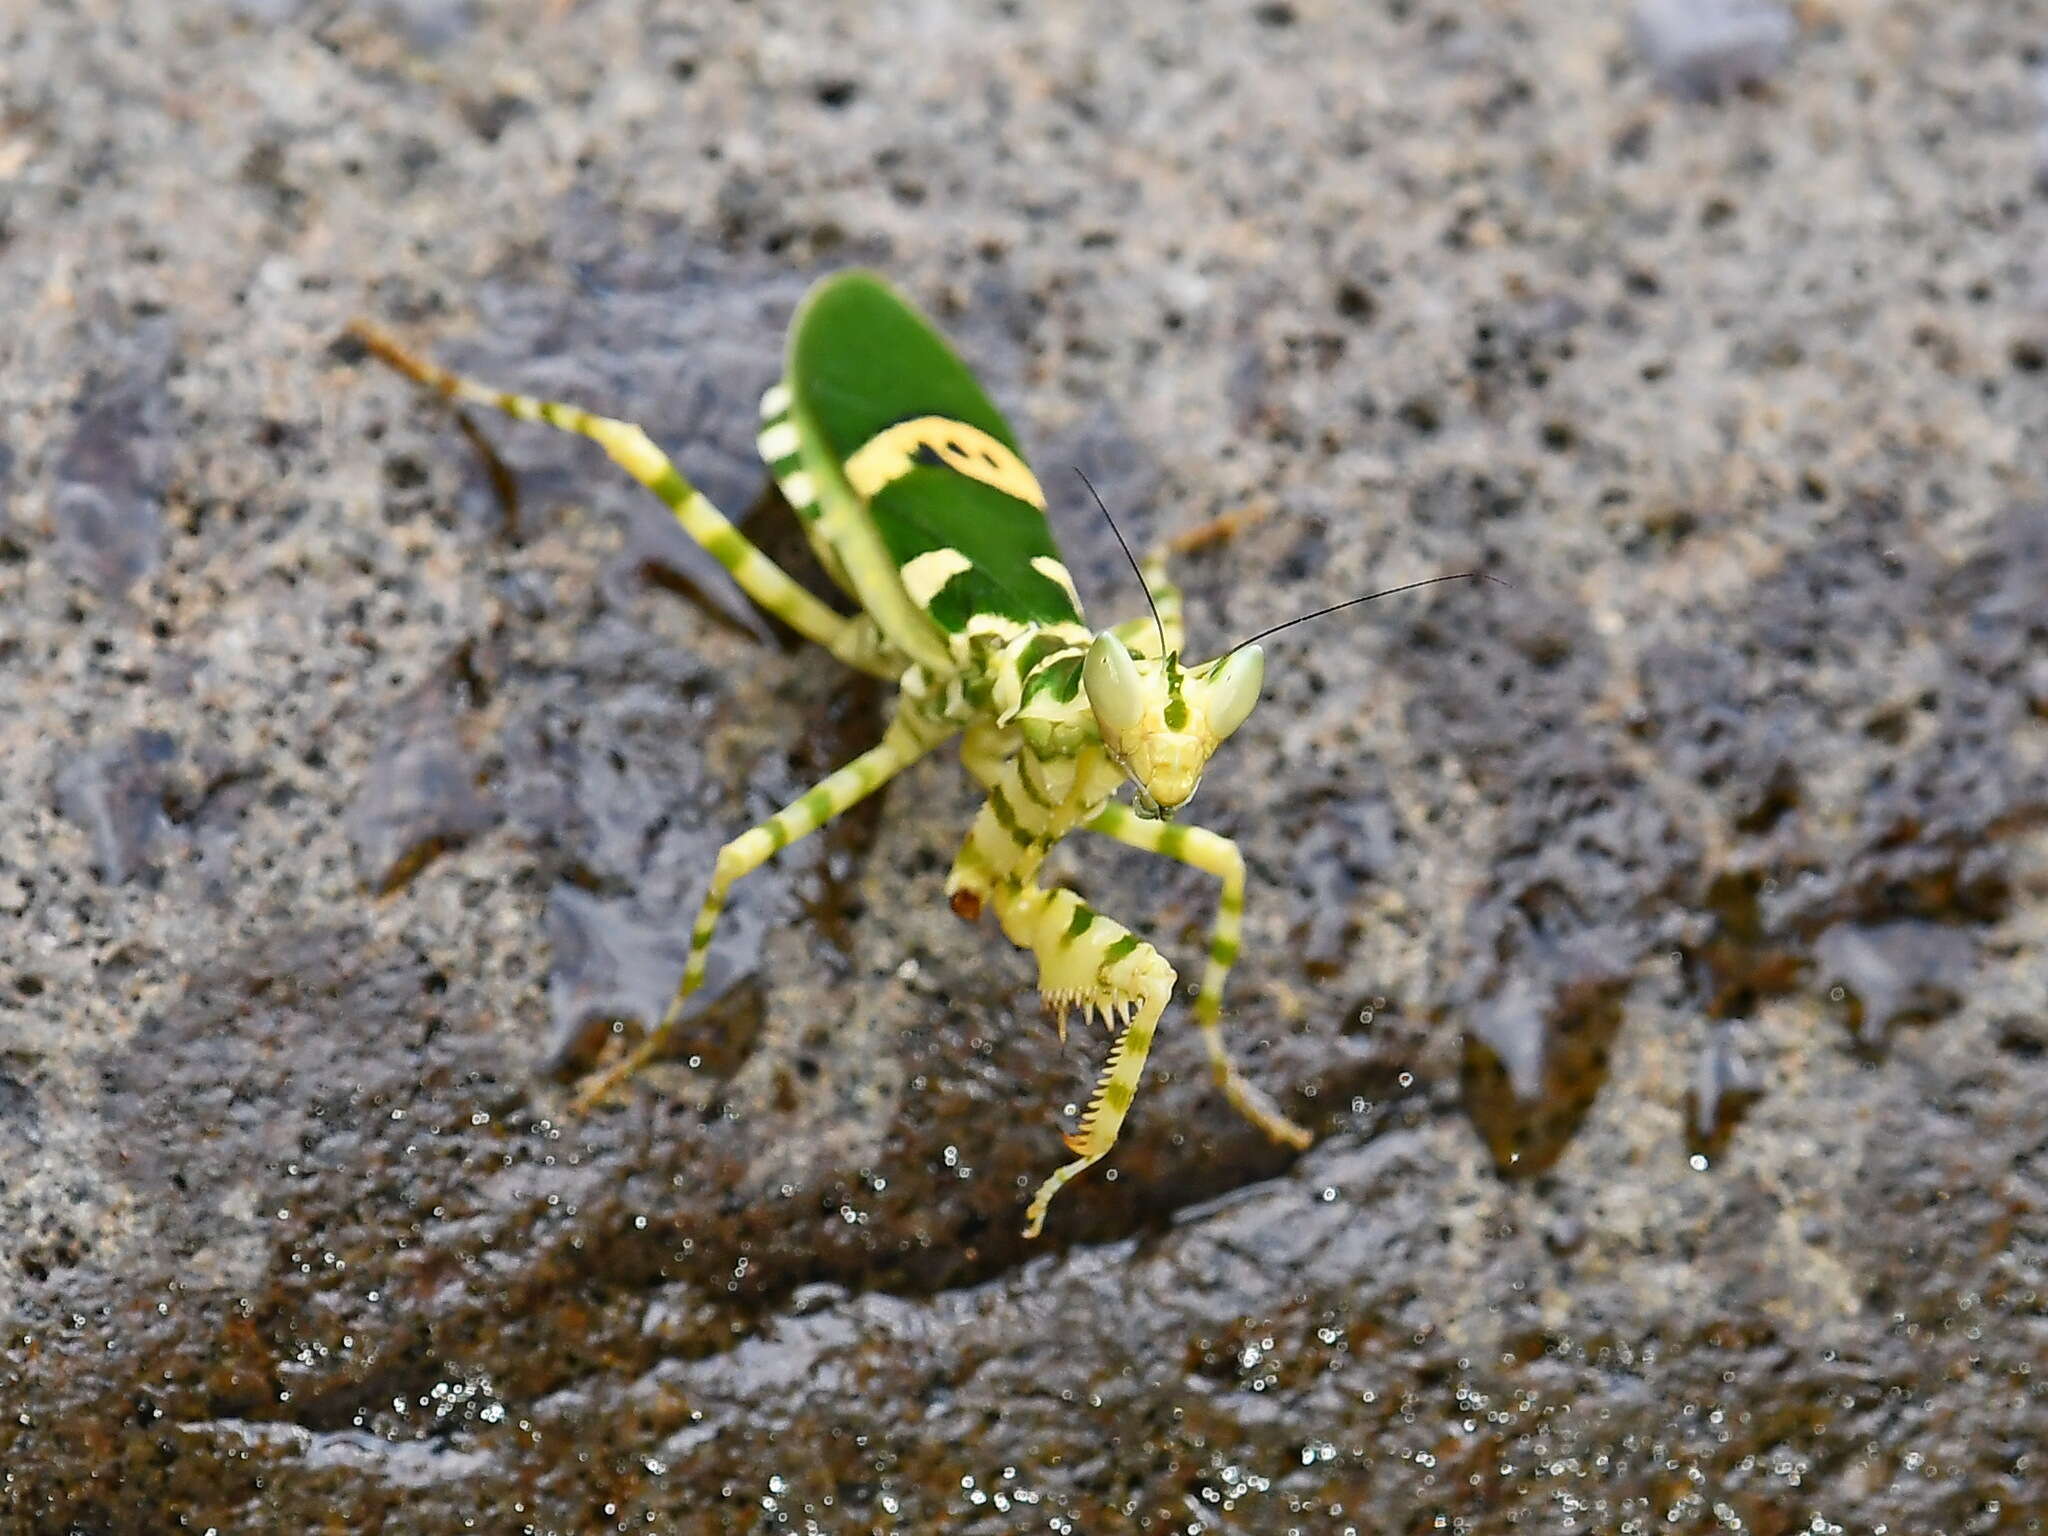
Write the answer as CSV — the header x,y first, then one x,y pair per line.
x,y
1656,945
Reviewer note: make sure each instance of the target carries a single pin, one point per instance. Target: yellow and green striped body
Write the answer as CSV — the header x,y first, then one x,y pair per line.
x,y
912,490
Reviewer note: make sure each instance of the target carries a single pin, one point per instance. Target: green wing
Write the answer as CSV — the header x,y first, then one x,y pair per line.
x,y
924,499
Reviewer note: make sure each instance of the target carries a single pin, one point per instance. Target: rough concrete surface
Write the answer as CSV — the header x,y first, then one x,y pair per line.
x,y
1658,945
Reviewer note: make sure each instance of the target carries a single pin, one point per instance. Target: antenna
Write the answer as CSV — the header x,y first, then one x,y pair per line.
x,y
1143,584
1427,581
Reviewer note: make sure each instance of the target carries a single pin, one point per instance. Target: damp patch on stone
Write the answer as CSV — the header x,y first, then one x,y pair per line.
x,y
106,508
1584,879
119,794
1881,975
1724,1085
610,964
420,796
659,552
1535,1059
1903,682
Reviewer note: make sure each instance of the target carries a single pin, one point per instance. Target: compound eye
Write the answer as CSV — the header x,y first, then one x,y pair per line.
x,y
1115,692
1234,689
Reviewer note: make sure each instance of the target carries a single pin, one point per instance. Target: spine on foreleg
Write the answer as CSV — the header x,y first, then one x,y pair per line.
x,y
1146,980
1091,962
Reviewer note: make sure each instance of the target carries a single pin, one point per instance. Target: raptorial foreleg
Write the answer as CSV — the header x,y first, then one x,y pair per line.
x,y
1089,962
903,744
1217,855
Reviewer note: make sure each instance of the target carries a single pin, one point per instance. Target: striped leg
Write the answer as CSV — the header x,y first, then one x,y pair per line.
x,y
1217,855
902,745
758,576
1089,962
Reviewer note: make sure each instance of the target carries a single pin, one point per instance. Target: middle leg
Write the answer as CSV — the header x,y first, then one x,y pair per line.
x,y
1217,855
901,745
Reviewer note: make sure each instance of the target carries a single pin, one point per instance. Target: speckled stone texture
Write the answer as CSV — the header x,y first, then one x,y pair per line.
x,y
1655,945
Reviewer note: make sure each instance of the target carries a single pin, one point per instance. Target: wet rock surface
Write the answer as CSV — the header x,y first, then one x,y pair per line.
x,y
419,797
1655,945
117,794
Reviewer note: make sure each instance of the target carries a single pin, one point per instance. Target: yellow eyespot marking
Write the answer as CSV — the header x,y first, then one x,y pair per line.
x,y
926,575
776,401
1058,575
798,489
889,454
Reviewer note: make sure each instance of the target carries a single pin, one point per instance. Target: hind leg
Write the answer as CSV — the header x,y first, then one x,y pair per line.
x,y
758,576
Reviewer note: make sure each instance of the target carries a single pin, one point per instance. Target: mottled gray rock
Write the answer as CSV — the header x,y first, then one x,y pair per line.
x,y
419,797
117,795
1708,48
1617,1218
1894,971
107,502
2041,134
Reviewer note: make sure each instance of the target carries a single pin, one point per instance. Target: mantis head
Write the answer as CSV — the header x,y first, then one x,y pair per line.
x,y
1160,721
